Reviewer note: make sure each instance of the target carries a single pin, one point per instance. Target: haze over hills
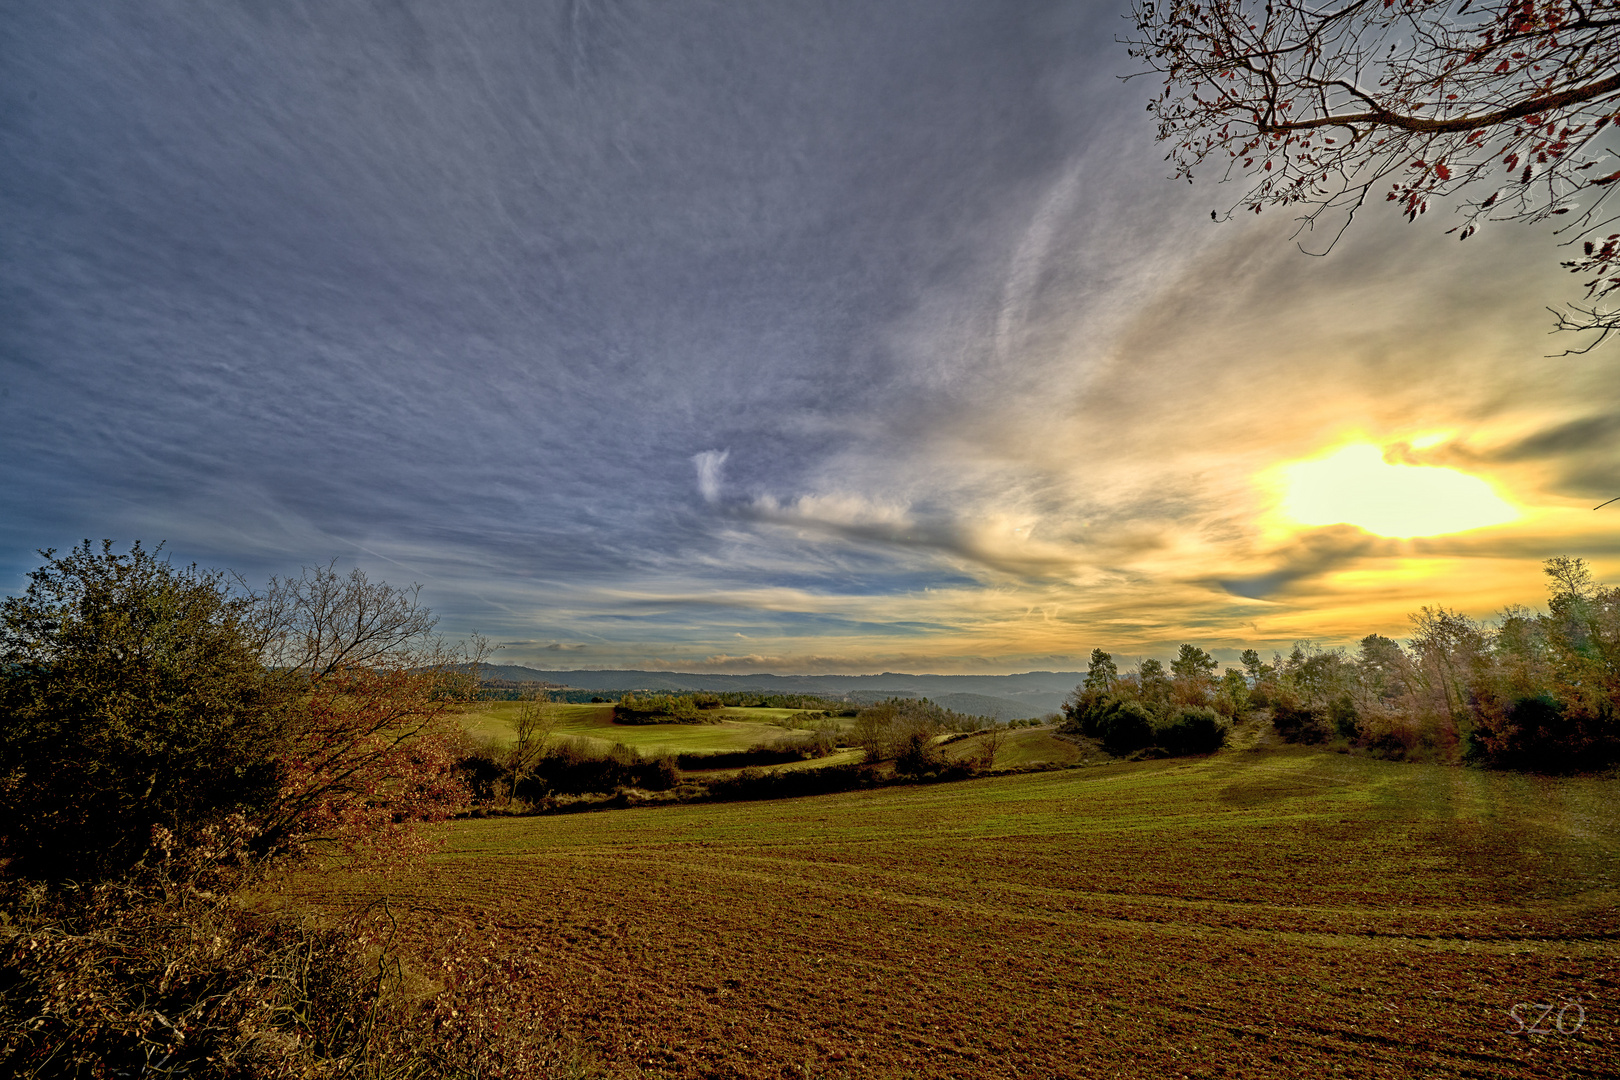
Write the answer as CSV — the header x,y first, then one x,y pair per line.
x,y
1006,697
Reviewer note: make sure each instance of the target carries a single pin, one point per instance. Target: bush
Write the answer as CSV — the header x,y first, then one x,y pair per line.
x,y
1542,734
1342,715
918,756
482,768
573,767
131,697
754,783
1194,729
785,748
1124,726
1296,721
664,709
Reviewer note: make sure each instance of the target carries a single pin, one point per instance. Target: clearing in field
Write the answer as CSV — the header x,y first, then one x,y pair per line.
x,y
1287,914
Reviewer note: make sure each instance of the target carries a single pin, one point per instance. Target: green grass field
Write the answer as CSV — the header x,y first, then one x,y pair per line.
x,y
1026,746
1280,914
737,729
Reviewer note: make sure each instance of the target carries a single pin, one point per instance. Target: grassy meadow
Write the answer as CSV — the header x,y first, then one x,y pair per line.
x,y
1285,913
734,729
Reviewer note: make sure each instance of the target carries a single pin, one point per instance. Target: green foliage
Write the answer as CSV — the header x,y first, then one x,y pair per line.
x,y
1192,729
1085,701
1232,695
1153,686
665,709
886,729
749,699
138,697
1102,674
755,783
1193,672
131,697
1124,725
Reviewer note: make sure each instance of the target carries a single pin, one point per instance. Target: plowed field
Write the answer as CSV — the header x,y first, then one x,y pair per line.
x,y
1287,914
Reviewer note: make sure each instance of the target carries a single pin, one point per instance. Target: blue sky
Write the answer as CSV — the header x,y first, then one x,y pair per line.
x,y
791,337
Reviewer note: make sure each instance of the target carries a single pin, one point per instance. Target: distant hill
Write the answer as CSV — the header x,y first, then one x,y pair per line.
x,y
1007,697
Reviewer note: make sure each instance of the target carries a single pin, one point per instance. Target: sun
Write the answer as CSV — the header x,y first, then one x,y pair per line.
x,y
1356,486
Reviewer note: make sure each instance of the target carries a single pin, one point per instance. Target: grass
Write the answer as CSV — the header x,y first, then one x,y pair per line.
x,y
1027,746
737,729
1280,914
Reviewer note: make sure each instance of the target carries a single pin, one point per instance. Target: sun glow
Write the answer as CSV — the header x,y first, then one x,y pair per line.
x,y
1356,486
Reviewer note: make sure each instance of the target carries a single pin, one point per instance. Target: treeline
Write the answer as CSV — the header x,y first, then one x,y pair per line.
x,y
1533,690
749,699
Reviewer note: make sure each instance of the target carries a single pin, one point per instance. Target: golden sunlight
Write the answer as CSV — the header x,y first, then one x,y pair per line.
x,y
1356,486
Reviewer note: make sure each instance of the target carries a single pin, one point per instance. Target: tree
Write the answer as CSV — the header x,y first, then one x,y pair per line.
x,y
1233,696
1101,675
132,698
1508,106
371,743
1193,671
146,703
1153,684
1081,706
532,730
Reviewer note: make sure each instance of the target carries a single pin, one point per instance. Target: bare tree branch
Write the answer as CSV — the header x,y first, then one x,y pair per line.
x,y
1511,108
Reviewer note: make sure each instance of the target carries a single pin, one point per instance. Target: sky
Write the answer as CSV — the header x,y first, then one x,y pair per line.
x,y
795,337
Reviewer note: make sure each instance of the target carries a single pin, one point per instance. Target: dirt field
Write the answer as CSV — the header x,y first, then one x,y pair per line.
x,y
1286,914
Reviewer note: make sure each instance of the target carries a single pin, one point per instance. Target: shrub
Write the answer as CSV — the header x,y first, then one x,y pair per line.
x,y
482,768
754,783
1343,716
131,697
662,709
150,975
1542,734
1296,721
574,767
1124,726
918,755
1193,729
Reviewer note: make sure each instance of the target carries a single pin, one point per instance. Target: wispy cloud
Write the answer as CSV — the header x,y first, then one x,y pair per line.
x,y
709,463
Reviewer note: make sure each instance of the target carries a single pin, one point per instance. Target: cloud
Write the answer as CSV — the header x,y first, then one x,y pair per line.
x,y
1310,556
453,295
1584,435
709,464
